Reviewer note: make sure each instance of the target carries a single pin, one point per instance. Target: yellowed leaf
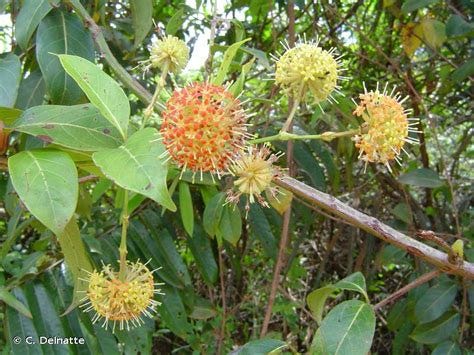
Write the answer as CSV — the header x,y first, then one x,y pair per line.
x,y
411,37
282,200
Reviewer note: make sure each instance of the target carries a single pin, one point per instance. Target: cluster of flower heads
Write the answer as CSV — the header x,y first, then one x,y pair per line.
x,y
121,300
386,126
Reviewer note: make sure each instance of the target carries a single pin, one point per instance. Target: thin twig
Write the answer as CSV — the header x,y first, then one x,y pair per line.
x,y
399,293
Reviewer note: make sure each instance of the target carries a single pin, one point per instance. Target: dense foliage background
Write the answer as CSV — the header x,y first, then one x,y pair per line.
x,y
216,296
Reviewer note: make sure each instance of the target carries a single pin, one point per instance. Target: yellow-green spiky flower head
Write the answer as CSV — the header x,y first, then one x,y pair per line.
x,y
169,52
307,68
386,126
254,170
121,300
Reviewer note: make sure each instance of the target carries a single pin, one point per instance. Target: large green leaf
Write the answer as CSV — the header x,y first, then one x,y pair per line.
x,y
434,32
421,177
46,182
438,330
102,91
32,91
60,33
437,300
230,226
137,166
175,22
10,75
347,329
142,12
29,17
79,127
260,347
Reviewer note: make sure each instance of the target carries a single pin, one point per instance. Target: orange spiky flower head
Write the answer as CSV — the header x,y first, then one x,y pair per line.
x,y
123,301
203,128
386,127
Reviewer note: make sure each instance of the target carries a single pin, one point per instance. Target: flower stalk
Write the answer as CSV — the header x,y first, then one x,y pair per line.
x,y
326,136
123,239
159,86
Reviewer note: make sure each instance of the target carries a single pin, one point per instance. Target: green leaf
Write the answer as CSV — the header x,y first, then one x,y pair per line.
x,y
79,127
347,329
230,226
203,309
397,315
13,302
76,259
260,347
173,313
456,26
464,71
438,330
412,5
10,75
136,166
9,115
62,33
29,17
186,207
175,22
46,182
434,32
402,212
102,91
212,214
434,302
238,86
201,248
226,61
260,55
142,12
354,282
401,340
261,230
421,177
308,163
447,348
32,91
317,299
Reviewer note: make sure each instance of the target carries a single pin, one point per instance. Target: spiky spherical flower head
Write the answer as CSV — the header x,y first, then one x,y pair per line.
x,y
169,52
121,300
307,67
385,129
254,170
203,127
